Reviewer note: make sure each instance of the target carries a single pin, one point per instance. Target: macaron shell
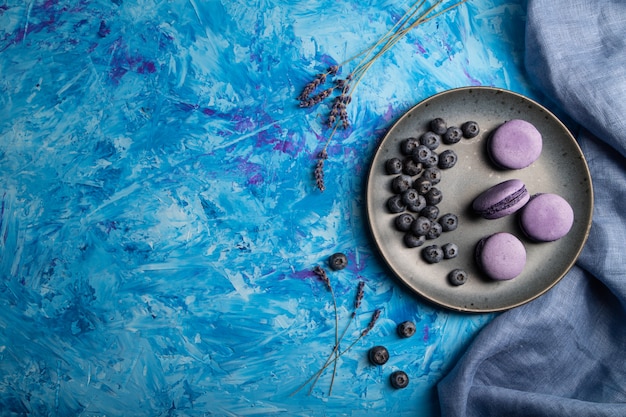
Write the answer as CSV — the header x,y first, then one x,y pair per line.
x,y
546,218
501,256
501,200
515,144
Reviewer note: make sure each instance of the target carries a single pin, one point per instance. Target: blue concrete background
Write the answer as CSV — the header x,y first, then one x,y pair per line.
x,y
159,219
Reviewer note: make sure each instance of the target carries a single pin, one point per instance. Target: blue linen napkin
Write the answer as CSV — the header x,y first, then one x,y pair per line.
x,y
564,354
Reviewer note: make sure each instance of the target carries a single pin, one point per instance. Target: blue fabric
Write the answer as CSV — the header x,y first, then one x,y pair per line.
x,y
564,353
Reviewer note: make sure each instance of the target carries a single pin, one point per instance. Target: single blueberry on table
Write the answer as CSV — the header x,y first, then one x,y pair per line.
x,y
438,125
399,379
378,355
422,185
430,212
434,232
447,159
393,166
433,175
338,261
450,250
408,146
457,277
395,204
401,183
410,197
470,129
418,205
432,160
434,196
413,241
432,254
449,222
412,168
420,226
406,329
422,154
453,135
403,222
431,140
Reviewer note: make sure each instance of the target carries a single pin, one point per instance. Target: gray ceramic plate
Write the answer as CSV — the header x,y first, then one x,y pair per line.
x,y
561,169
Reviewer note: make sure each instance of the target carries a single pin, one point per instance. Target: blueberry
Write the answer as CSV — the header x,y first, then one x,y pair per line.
x,y
420,226
393,166
401,183
378,355
337,261
450,250
434,232
408,146
430,212
438,125
413,241
410,197
457,277
395,204
406,329
412,168
433,175
422,154
403,222
431,140
449,222
432,254
447,159
419,204
433,197
452,135
432,160
399,379
422,185
470,129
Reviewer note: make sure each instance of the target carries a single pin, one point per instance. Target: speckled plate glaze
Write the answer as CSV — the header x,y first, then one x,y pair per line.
x,y
560,169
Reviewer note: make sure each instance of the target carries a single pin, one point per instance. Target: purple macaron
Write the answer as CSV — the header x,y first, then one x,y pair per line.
x,y
515,144
501,256
546,217
501,199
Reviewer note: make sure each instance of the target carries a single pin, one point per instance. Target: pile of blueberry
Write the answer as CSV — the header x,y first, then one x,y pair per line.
x,y
416,175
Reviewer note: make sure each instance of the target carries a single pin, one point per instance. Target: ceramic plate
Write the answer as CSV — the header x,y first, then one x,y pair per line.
x,y
560,169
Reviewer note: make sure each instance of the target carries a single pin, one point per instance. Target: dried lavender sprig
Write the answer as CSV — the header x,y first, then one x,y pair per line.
x,y
323,276
310,87
336,357
359,297
321,273
319,170
397,33
390,41
335,352
357,303
372,322
340,103
339,116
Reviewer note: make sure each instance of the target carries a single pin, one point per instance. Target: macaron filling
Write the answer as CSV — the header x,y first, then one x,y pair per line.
x,y
501,199
507,202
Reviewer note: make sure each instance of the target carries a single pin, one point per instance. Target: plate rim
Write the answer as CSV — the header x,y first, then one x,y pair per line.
x,y
414,288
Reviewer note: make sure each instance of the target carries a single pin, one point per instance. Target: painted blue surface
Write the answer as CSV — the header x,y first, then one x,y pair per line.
x,y
159,220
